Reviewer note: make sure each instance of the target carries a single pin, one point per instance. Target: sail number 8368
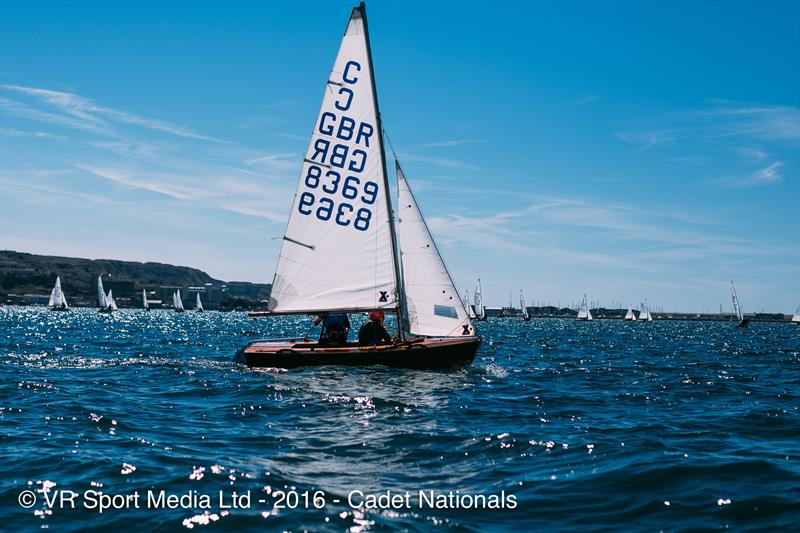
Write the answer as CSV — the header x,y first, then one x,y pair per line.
x,y
325,208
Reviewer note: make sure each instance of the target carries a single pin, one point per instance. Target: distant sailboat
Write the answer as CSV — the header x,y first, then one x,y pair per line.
x,y
742,321
177,303
112,305
145,303
469,307
644,314
198,305
480,311
102,300
58,301
630,316
796,317
525,315
583,312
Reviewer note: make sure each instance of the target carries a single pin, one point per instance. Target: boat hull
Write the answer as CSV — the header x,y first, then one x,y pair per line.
x,y
418,353
743,323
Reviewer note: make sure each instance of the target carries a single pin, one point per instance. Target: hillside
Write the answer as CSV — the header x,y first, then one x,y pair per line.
x,y
24,273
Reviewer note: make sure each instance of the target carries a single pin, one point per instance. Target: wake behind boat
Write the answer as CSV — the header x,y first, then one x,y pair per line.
x,y
340,252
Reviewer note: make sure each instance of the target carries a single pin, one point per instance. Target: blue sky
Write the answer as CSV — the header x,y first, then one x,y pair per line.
x,y
627,150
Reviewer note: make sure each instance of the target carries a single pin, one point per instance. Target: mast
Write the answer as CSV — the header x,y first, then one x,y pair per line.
x,y
401,308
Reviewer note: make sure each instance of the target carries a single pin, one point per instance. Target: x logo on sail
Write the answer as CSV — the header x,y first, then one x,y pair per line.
x,y
384,296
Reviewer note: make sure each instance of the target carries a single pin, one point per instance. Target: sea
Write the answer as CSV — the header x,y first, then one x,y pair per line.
x,y
141,421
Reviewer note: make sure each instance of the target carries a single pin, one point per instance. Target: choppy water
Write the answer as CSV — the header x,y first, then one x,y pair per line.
x,y
590,426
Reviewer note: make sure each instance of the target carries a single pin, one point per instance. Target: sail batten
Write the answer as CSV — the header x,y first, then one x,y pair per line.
x,y
338,250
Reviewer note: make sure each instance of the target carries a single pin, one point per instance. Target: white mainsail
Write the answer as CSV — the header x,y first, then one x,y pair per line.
x,y
178,303
630,315
110,303
522,305
736,309
432,303
101,295
145,303
480,312
198,305
796,317
338,248
584,313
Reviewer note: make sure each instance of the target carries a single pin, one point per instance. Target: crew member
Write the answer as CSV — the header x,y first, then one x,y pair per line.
x,y
373,332
335,327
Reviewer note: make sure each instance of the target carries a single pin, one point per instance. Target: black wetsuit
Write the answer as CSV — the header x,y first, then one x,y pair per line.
x,y
372,333
334,329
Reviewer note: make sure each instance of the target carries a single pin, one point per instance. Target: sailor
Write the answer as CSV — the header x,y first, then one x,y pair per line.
x,y
373,332
335,327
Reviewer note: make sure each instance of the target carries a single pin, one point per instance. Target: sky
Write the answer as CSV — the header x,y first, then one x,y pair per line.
x,y
624,150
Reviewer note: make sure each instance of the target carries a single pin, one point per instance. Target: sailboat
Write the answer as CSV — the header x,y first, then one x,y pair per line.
x,y
58,301
177,303
630,316
468,306
102,299
742,321
145,303
583,312
340,250
796,316
198,305
112,305
644,314
480,310
525,315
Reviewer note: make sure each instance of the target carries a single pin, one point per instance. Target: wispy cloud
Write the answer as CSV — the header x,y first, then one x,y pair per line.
x,y
11,132
769,175
76,111
768,122
649,139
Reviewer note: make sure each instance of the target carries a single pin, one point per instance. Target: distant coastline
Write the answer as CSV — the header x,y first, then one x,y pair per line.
x,y
26,279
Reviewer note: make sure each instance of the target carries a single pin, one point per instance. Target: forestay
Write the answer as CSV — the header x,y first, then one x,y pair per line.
x,y
433,306
337,252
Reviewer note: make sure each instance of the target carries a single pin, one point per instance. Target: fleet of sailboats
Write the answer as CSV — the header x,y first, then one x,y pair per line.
x,y
583,312
58,301
741,320
341,252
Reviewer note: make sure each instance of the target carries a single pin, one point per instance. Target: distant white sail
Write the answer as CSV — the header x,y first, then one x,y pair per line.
x,y
630,315
57,298
468,305
101,295
522,305
480,311
145,303
644,314
583,312
178,302
338,250
736,309
110,303
198,305
432,302
796,317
